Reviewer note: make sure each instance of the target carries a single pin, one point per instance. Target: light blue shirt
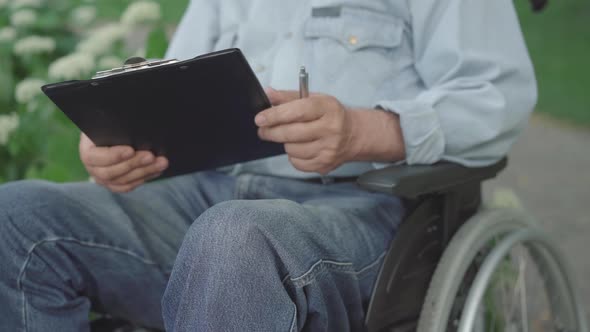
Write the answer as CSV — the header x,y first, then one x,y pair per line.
x,y
456,71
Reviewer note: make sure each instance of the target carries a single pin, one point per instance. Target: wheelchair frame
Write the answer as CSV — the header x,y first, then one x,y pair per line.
x,y
439,199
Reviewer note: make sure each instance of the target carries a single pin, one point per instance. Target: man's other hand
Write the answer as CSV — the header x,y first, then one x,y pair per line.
x,y
120,168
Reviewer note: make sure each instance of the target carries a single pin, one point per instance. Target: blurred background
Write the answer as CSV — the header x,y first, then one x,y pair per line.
x,y
46,41
43,41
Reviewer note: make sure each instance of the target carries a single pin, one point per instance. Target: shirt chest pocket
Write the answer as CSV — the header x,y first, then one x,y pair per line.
x,y
344,43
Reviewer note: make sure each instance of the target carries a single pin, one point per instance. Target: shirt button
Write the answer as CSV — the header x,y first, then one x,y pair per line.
x,y
260,68
353,40
288,35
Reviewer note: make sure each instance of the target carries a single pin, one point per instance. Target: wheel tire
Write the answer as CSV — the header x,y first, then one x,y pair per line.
x,y
476,233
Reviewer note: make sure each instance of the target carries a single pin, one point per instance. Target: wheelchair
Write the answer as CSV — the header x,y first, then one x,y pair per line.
x,y
455,265
440,272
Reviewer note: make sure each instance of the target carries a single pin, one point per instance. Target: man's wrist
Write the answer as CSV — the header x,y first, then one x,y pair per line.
x,y
375,136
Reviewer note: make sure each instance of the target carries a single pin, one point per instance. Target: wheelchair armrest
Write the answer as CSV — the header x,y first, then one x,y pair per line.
x,y
414,181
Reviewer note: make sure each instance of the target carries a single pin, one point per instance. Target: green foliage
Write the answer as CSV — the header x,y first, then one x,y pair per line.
x,y
157,44
559,43
7,81
172,10
44,143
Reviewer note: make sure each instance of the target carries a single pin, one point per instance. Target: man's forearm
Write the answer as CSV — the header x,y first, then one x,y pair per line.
x,y
376,136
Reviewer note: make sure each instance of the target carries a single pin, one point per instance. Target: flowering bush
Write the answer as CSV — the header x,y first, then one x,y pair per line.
x,y
43,41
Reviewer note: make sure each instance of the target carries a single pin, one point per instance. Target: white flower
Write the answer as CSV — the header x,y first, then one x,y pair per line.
x,y
28,89
34,45
109,62
7,34
23,18
83,15
141,12
8,124
16,4
101,40
71,67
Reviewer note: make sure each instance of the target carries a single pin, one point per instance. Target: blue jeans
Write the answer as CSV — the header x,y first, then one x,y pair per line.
x,y
201,252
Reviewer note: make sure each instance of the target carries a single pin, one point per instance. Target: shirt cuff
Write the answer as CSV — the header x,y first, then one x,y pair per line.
x,y
423,136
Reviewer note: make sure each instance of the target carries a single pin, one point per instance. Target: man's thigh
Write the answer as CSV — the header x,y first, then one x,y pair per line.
x,y
63,242
346,220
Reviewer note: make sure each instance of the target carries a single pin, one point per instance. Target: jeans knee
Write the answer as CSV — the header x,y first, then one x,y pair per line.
x,y
26,207
234,246
236,219
15,195
242,231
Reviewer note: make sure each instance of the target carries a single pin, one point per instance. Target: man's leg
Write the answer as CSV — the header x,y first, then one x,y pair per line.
x,y
66,247
289,256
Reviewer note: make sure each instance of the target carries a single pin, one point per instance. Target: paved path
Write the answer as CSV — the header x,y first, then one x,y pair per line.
x,y
549,171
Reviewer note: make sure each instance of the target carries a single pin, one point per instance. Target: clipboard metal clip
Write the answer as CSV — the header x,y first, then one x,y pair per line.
x,y
134,64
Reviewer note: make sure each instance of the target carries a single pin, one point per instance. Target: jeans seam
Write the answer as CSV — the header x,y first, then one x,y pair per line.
x,y
293,321
334,266
72,240
242,185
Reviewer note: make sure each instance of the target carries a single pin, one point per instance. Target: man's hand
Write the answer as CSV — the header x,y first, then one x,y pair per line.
x,y
316,131
120,168
320,134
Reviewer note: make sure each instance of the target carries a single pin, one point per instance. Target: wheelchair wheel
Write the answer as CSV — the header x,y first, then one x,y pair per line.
x,y
501,273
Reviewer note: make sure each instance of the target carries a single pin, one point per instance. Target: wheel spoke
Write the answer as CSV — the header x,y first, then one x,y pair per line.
x,y
523,293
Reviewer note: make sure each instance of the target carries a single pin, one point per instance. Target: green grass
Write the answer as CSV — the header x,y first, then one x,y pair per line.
x,y
172,10
559,43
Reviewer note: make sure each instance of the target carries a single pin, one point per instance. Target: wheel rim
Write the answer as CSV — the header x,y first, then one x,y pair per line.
x,y
513,315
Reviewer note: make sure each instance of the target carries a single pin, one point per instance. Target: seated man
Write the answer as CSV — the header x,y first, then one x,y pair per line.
x,y
267,245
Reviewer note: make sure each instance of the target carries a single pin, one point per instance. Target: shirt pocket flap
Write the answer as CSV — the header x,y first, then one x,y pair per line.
x,y
357,28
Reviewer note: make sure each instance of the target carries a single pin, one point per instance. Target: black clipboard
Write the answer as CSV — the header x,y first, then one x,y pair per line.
x,y
199,113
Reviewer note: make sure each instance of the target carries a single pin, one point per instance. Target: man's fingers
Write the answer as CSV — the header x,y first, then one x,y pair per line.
x,y
142,173
312,165
278,97
298,132
85,142
305,151
109,173
125,188
93,156
298,111
107,156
